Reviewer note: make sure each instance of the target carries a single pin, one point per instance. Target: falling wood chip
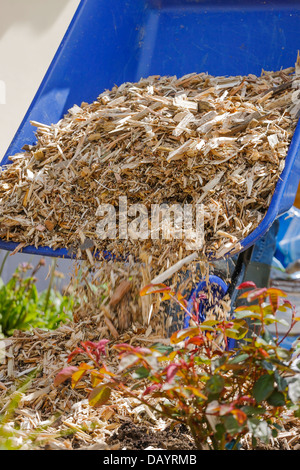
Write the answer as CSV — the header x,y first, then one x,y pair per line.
x,y
121,290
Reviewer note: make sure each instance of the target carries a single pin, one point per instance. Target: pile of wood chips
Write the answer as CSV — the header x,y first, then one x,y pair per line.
x,y
108,306
48,417
218,141
61,417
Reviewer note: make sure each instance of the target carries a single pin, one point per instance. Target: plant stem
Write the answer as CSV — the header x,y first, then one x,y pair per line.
x,y
49,287
290,328
261,316
3,262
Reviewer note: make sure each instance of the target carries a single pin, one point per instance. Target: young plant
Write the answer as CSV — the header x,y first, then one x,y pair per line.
x,y
220,394
15,437
22,307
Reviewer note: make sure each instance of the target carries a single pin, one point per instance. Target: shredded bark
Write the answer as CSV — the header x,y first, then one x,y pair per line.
x,y
218,141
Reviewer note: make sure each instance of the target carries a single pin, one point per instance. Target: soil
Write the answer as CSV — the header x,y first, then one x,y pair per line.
x,y
132,437
122,424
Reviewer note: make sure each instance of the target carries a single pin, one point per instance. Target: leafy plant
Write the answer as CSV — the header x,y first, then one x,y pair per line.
x,y
220,394
12,435
23,307
8,434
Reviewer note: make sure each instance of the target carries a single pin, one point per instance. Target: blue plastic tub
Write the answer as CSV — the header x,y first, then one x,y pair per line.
x,y
218,289
112,42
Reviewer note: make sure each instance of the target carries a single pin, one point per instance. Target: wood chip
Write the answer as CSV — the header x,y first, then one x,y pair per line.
x,y
160,140
121,290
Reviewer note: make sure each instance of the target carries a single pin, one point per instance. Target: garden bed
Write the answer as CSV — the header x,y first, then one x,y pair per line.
x,y
49,417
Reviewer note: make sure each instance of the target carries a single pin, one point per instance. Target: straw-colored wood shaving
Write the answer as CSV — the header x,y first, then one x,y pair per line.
x,y
53,418
61,417
221,141
109,293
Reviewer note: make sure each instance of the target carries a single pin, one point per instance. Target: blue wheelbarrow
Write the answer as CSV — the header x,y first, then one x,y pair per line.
x,y
109,43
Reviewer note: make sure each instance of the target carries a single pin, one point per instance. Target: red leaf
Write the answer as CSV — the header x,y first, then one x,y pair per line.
x,y
263,352
152,388
256,293
246,284
181,335
245,398
239,415
64,374
172,371
100,345
154,289
288,304
167,295
74,353
275,302
97,348
197,340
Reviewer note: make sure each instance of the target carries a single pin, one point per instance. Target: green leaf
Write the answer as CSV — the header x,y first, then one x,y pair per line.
x,y
99,396
280,381
218,362
281,321
127,361
214,385
238,331
64,374
253,411
283,354
162,348
263,387
231,425
247,314
220,431
210,323
239,358
267,365
268,337
276,399
140,373
297,413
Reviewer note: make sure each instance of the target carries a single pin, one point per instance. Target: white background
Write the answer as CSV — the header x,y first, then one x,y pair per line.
x,y
30,33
